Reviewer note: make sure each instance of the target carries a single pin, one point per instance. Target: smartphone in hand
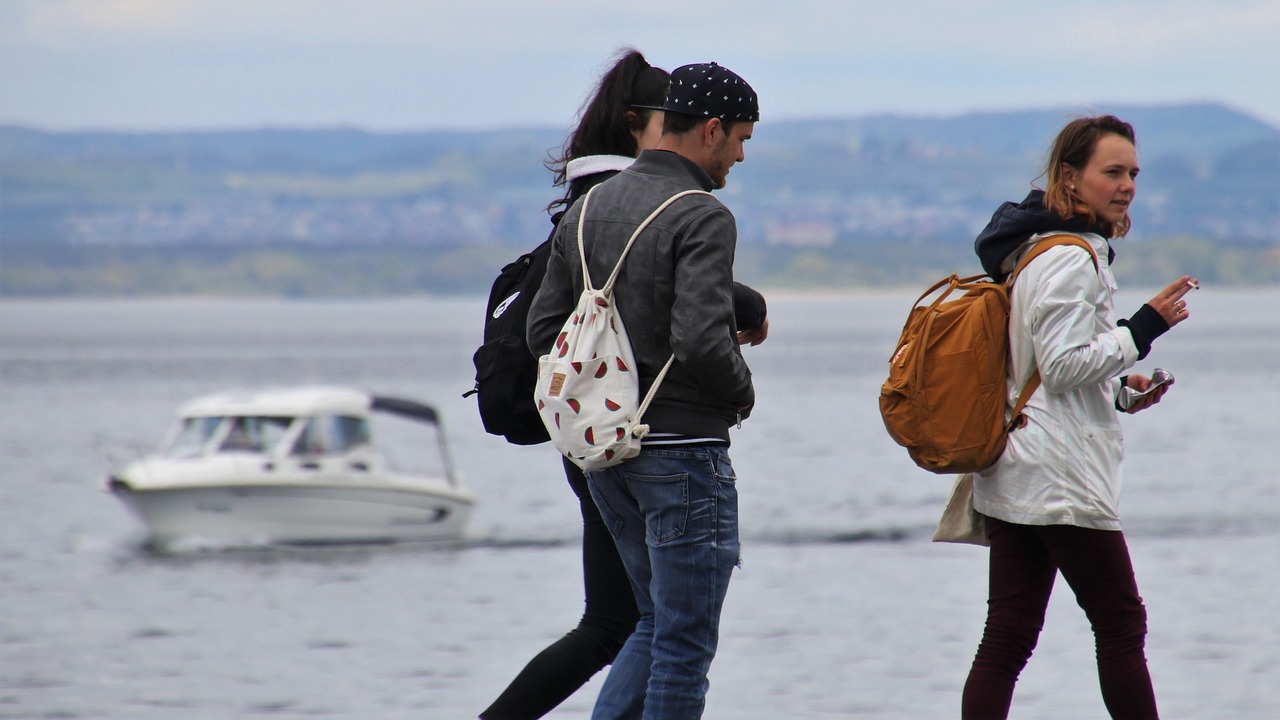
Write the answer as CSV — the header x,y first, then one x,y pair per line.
x,y
1129,396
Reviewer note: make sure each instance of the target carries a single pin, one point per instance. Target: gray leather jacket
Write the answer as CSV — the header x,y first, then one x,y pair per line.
x,y
675,291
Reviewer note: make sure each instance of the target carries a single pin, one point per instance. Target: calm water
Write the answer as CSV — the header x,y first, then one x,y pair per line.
x,y
843,607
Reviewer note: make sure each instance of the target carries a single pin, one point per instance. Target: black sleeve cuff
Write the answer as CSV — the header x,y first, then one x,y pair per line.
x,y
1146,325
749,309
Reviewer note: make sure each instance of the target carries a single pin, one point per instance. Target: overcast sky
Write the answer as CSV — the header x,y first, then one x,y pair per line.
x,y
482,64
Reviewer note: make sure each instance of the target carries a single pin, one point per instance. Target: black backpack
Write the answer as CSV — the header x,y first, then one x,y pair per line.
x,y
506,371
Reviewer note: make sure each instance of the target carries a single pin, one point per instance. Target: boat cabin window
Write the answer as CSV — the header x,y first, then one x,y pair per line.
x,y
331,435
254,434
197,435
192,436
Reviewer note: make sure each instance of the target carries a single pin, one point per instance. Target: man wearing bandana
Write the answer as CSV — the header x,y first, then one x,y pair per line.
x,y
672,509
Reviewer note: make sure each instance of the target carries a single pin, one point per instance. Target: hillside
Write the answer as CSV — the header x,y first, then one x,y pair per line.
x,y
838,201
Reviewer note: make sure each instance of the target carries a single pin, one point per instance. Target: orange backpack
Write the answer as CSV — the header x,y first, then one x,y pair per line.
x,y
945,397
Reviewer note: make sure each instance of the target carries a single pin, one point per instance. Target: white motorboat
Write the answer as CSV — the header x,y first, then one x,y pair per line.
x,y
305,465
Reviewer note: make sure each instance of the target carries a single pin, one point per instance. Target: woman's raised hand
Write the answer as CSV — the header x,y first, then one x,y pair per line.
x,y
1171,302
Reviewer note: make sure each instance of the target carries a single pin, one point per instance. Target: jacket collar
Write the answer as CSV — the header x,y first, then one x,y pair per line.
x,y
671,164
592,164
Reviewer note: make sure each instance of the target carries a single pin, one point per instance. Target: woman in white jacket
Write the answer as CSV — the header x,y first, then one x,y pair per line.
x,y
1053,497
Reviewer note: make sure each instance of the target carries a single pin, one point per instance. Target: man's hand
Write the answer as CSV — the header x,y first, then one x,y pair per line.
x,y
754,337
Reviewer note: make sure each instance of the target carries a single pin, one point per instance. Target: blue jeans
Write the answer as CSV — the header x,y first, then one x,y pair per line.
x,y
673,513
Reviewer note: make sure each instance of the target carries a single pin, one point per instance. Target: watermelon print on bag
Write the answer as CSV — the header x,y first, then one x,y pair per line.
x,y
587,394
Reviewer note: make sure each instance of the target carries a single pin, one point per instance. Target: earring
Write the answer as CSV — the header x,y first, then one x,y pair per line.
x,y
1072,188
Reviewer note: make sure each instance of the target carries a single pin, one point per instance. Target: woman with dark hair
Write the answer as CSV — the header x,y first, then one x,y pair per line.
x,y
623,117
1052,499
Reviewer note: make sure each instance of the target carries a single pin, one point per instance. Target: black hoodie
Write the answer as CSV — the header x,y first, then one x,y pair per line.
x,y
1014,223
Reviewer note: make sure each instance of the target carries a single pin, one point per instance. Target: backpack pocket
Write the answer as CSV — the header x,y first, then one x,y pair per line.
x,y
505,378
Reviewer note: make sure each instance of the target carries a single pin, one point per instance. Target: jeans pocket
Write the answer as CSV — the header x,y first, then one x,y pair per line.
x,y
664,502
722,467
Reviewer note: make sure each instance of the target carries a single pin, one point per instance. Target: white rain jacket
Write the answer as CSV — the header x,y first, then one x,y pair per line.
x,y
1064,466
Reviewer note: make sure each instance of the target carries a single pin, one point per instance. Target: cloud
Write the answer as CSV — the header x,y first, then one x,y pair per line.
x,y
394,64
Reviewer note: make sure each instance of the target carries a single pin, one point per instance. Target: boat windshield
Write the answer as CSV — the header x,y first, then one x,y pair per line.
x,y
254,434
231,434
191,437
331,435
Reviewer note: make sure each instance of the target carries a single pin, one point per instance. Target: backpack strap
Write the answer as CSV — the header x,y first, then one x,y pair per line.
x,y
1044,245
1017,419
617,268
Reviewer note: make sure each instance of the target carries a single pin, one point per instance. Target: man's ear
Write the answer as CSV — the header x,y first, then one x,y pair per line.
x,y
710,130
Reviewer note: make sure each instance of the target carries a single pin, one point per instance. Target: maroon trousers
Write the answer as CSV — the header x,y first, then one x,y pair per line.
x,y
1095,563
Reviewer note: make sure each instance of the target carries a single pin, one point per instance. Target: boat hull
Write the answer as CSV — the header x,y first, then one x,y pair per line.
x,y
267,514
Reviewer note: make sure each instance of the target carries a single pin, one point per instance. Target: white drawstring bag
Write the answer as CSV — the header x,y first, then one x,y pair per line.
x,y
588,386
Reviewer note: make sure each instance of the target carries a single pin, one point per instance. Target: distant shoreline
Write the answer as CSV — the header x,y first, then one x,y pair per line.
x,y
380,270
772,295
